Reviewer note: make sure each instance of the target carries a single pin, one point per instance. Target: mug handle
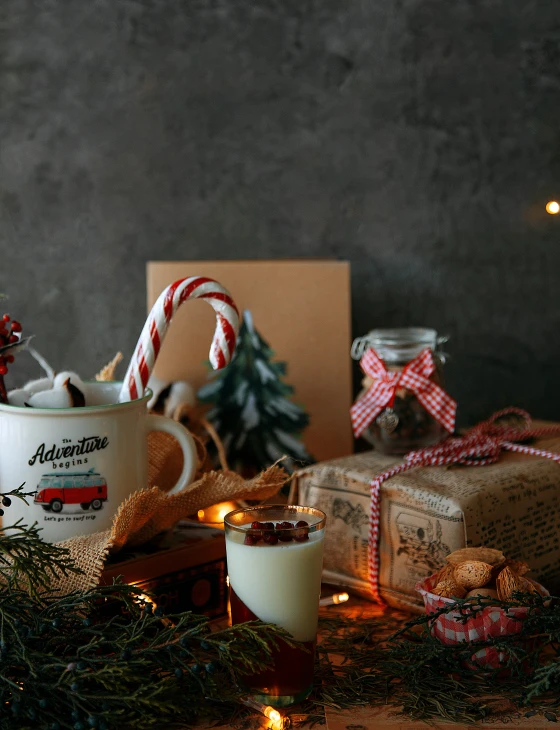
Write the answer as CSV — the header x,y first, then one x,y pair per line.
x,y
186,442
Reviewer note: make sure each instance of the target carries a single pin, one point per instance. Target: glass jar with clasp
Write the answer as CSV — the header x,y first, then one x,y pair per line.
x,y
399,389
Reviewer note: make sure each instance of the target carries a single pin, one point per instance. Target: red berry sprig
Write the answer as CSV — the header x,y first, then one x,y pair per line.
x,y
10,333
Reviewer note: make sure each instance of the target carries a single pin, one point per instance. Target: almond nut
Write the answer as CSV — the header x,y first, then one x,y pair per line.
x,y
528,586
473,574
519,567
479,554
482,593
446,573
507,583
449,589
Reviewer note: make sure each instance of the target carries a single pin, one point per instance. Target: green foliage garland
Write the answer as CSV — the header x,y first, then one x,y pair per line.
x,y
412,672
106,659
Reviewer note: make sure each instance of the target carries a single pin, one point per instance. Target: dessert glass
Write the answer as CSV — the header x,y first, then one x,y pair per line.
x,y
275,576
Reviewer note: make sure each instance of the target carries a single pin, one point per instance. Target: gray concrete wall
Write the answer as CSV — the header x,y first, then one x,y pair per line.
x,y
416,138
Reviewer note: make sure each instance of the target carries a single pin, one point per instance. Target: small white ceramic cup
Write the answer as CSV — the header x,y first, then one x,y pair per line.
x,y
82,463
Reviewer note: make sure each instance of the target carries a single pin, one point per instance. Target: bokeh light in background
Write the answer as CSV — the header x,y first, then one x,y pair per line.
x,y
553,207
215,514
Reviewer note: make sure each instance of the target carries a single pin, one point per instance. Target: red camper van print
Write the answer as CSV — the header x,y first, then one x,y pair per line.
x,y
88,489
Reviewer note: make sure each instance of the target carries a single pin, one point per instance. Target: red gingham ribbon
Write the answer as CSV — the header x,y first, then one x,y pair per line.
x,y
481,445
415,377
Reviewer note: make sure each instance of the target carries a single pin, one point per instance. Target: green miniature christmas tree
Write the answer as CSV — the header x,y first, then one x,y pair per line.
x,y
252,411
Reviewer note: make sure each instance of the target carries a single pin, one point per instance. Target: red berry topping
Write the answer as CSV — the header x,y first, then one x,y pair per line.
x,y
9,359
284,526
6,318
284,536
250,540
270,538
16,326
303,534
267,525
12,339
256,525
3,369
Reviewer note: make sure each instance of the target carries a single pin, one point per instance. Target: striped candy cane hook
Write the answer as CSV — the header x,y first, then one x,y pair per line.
x,y
155,329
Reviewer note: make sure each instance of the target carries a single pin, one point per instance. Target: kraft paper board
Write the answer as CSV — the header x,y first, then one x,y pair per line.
x,y
302,308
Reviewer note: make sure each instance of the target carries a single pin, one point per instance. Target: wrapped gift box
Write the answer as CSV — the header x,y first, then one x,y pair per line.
x,y
184,571
513,505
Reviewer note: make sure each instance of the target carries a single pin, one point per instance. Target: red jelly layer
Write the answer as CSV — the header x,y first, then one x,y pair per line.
x,y
291,668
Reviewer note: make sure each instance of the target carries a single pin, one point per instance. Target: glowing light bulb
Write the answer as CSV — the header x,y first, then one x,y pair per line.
x,y
222,512
334,600
553,207
279,721
272,714
214,515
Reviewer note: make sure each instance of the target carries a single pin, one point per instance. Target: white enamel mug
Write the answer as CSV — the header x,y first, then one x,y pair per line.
x,y
81,463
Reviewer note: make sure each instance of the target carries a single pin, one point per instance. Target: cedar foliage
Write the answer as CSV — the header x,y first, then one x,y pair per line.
x,y
106,659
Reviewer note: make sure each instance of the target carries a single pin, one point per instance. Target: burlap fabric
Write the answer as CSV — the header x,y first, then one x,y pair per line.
x,y
150,511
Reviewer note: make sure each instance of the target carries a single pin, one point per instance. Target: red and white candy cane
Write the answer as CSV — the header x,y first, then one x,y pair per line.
x,y
151,338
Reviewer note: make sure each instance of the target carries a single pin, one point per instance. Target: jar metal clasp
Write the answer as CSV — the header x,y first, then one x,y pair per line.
x,y
359,347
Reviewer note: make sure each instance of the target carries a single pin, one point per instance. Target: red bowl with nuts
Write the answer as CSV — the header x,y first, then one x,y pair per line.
x,y
456,627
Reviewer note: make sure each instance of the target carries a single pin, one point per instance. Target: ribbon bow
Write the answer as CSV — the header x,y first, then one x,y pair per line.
x,y
415,377
481,445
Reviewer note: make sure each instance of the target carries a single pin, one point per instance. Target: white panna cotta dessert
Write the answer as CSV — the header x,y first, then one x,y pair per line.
x,y
279,580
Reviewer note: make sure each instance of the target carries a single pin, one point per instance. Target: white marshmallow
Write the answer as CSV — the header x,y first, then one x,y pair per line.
x,y
54,398
18,397
39,385
62,377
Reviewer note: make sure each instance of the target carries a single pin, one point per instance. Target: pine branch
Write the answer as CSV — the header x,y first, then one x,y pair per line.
x,y
410,670
80,659
24,558
106,659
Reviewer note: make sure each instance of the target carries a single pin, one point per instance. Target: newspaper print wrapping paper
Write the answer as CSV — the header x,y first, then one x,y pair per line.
x,y
513,505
